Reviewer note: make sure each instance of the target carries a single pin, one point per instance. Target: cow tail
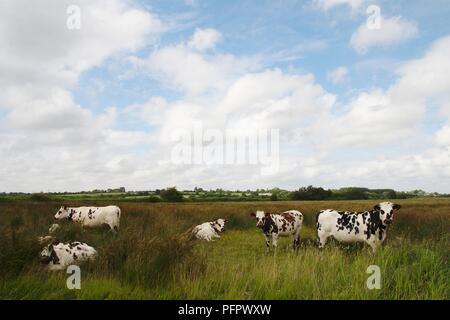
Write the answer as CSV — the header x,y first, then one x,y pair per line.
x,y
317,219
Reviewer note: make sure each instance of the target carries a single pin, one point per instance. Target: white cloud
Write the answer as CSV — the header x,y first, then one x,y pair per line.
x,y
338,75
43,49
51,142
330,4
185,68
392,31
152,112
443,136
51,139
204,39
380,117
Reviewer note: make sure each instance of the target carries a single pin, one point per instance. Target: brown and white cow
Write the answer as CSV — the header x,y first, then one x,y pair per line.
x,y
282,224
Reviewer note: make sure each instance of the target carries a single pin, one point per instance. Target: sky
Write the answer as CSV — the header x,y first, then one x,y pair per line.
x,y
104,94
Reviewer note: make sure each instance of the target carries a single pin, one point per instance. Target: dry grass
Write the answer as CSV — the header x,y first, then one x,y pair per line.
x,y
153,257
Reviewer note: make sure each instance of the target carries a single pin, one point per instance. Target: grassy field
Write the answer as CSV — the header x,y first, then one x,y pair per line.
x,y
153,257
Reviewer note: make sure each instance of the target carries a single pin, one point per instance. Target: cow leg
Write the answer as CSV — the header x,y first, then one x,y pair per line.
x,y
274,241
373,245
322,239
112,228
267,242
297,240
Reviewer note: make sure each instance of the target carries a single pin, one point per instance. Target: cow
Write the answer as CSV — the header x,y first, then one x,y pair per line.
x,y
58,255
209,230
369,226
282,224
92,216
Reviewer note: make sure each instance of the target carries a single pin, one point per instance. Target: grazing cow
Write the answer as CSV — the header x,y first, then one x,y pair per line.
x,y
368,226
282,224
59,256
92,216
209,230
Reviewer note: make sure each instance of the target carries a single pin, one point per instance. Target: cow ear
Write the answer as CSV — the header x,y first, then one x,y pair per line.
x,y
377,207
397,206
253,214
65,207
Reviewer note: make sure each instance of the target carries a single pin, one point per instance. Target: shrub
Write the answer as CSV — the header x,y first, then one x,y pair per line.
x,y
311,193
39,197
154,199
171,195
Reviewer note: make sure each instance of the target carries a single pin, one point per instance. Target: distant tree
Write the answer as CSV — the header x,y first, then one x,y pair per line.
x,y
171,195
352,193
274,197
39,197
154,199
390,194
311,193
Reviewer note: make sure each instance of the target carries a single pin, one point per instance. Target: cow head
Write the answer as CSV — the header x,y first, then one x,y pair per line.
x,y
48,254
219,225
386,211
63,213
260,218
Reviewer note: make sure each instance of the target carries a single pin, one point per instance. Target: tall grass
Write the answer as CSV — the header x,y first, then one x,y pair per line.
x,y
154,257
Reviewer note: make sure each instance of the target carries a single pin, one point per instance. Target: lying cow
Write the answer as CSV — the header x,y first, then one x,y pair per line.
x,y
59,256
282,224
92,216
209,230
368,226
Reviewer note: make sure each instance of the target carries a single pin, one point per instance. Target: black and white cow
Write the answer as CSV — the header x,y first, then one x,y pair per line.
x,y
369,226
59,256
274,225
92,216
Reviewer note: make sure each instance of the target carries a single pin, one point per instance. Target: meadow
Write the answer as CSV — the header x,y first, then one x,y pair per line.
x,y
154,257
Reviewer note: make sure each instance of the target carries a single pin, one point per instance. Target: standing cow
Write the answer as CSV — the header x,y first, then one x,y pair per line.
x,y
92,216
368,226
282,224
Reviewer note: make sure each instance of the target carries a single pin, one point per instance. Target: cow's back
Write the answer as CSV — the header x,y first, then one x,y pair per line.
x,y
98,216
327,220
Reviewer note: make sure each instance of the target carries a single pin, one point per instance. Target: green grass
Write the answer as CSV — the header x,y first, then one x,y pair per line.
x,y
153,257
